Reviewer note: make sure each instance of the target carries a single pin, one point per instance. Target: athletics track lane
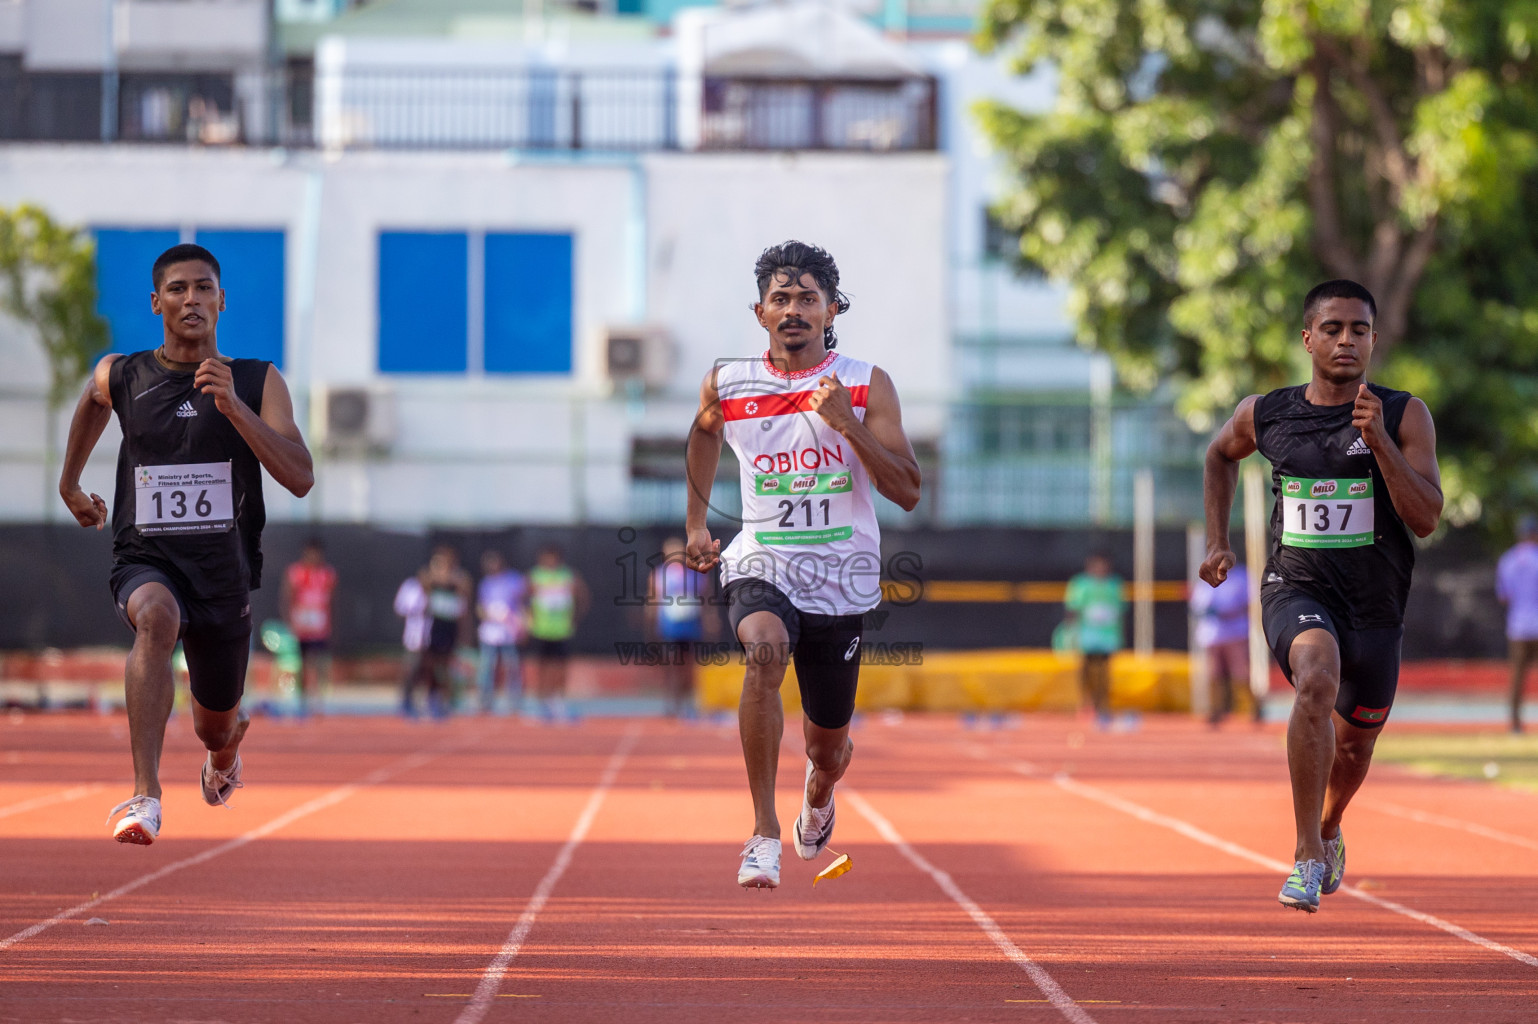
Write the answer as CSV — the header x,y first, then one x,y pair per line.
x,y
333,919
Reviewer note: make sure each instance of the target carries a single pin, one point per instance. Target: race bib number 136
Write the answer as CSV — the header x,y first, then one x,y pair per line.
x,y
1327,513
191,498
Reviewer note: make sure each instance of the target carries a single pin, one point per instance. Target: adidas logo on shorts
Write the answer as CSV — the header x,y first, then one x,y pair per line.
x,y
186,410
1359,447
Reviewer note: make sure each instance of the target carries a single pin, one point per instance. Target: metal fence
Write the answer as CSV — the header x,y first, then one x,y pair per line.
x,y
528,107
823,114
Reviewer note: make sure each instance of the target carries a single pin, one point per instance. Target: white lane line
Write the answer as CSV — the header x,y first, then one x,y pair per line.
x,y
486,991
74,793
1038,974
320,803
1474,828
1190,831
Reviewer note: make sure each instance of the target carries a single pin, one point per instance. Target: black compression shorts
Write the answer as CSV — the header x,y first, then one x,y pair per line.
x,y
825,649
1369,658
215,635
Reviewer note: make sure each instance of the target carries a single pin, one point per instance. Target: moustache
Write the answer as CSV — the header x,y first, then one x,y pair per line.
x,y
793,322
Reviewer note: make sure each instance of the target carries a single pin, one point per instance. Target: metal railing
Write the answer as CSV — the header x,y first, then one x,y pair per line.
x,y
857,114
528,107
524,108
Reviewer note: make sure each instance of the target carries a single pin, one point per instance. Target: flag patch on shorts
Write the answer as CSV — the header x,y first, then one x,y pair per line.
x,y
1369,714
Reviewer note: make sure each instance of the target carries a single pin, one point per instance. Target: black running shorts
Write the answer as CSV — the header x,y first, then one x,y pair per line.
x,y
548,650
215,635
1369,658
824,648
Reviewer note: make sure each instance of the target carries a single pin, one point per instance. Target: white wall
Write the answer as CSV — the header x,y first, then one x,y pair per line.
x,y
991,300
882,217
473,449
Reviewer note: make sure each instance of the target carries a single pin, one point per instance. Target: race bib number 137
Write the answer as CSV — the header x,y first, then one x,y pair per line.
x,y
1327,513
190,498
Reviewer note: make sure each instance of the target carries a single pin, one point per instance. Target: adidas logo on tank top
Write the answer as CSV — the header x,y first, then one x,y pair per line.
x,y
1359,447
808,517
186,410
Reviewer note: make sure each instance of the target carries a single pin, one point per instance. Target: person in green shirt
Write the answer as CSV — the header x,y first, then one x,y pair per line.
x,y
556,599
1095,605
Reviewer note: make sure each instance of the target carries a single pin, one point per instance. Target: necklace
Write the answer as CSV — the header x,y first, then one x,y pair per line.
x,y
179,367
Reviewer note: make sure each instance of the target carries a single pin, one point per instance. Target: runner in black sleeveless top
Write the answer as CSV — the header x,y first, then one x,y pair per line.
x,y
1354,473
187,519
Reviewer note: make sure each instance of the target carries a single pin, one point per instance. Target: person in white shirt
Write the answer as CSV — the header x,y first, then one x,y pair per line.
x,y
411,605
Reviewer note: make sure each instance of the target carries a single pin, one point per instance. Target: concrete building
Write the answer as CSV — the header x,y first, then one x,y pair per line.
x,y
494,248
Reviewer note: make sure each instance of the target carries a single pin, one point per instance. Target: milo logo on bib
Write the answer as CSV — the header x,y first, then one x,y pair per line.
x,y
802,483
1326,513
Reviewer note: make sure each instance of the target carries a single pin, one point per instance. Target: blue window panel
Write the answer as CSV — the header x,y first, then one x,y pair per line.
x,y
528,303
124,259
251,273
424,302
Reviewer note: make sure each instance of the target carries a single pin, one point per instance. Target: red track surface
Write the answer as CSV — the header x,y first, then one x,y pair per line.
x,y
415,851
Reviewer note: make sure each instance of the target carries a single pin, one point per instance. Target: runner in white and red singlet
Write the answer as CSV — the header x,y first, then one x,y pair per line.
x,y
813,430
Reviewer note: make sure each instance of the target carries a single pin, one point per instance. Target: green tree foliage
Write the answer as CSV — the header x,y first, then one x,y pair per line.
x,y
48,283
1207,161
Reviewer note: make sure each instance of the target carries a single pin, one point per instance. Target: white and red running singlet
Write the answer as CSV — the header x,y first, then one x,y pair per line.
x,y
808,517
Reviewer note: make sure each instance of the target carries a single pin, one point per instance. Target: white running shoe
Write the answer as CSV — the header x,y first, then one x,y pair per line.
x,y
814,825
217,785
141,824
760,864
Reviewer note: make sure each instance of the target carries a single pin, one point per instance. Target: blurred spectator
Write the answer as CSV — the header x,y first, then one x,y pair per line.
x,y
499,604
308,588
557,600
676,621
411,605
1223,628
448,588
1095,607
1516,584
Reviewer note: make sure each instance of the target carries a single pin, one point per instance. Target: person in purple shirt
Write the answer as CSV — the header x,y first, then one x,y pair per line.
x,y
1224,629
1516,584
499,605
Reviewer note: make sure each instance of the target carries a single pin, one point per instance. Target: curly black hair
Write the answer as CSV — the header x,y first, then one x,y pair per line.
x,y
793,259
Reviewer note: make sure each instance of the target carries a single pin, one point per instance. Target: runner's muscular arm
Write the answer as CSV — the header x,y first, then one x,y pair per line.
x,y
1409,468
273,435
703,456
880,442
1220,477
91,415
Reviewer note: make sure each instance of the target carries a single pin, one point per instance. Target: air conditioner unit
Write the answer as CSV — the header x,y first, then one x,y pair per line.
x,y
638,355
355,419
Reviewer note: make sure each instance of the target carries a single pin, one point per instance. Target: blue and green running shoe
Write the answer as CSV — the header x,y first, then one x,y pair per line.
x,y
1335,864
1302,889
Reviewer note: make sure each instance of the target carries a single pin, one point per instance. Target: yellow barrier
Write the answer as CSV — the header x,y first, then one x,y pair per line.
x,y
1016,679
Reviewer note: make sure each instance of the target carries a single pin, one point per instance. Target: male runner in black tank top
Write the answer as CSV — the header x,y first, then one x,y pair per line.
x,y
186,525
1354,472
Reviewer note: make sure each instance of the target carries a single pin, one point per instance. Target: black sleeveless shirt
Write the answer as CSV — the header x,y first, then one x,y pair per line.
x,y
1334,532
201,526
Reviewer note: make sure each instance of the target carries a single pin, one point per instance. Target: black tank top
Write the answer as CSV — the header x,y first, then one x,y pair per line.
x,y
1334,532
189,488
